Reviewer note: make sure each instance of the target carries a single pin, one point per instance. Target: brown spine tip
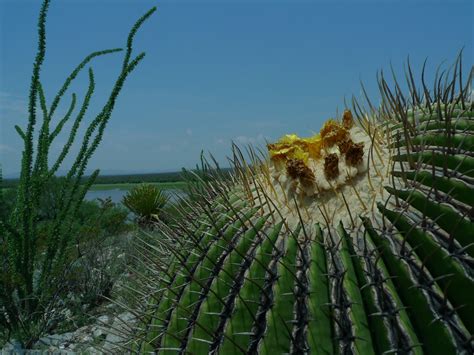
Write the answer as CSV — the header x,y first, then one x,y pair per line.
x,y
354,154
331,166
347,119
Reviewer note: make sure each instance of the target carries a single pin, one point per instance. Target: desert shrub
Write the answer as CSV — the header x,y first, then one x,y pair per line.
x,y
92,276
100,233
146,201
36,245
96,219
102,219
93,221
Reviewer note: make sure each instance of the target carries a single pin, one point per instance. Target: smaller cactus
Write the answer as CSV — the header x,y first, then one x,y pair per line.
x,y
146,201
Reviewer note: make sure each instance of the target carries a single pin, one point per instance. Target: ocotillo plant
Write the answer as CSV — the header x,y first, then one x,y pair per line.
x,y
30,285
358,240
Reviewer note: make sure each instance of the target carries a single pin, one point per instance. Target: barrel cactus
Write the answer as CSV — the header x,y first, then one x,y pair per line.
x,y
356,240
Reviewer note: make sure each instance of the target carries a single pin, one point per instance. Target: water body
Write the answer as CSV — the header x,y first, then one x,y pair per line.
x,y
117,194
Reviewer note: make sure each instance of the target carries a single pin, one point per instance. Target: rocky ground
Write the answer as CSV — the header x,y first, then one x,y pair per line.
x,y
105,335
97,330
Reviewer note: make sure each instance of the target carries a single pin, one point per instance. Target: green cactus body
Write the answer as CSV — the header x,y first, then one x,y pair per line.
x,y
273,273
248,298
280,315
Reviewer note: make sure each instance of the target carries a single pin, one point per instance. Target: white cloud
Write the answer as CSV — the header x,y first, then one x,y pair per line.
x,y
259,139
6,148
12,104
165,148
244,139
267,124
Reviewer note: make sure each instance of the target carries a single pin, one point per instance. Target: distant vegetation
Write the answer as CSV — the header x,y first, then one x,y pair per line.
x,y
140,178
121,179
169,180
181,185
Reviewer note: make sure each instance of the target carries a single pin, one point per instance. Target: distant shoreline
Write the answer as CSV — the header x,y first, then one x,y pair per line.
x,y
168,180
172,185
169,177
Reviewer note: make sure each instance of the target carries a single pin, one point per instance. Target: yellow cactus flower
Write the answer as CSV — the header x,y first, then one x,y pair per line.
x,y
300,154
291,146
313,146
278,151
289,139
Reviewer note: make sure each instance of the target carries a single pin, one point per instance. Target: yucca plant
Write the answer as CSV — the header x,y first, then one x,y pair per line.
x,y
32,275
146,201
298,254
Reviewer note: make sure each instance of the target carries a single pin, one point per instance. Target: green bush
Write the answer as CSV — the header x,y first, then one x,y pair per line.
x,y
36,242
146,201
103,218
101,247
98,237
93,220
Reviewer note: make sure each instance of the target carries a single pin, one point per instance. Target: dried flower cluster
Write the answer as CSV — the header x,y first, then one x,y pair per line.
x,y
297,169
354,154
331,166
344,145
298,155
332,133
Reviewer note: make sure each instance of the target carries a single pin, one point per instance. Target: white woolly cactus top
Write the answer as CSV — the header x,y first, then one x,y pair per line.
x,y
333,176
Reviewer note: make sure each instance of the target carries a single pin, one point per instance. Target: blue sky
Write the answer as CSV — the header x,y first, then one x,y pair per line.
x,y
218,71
